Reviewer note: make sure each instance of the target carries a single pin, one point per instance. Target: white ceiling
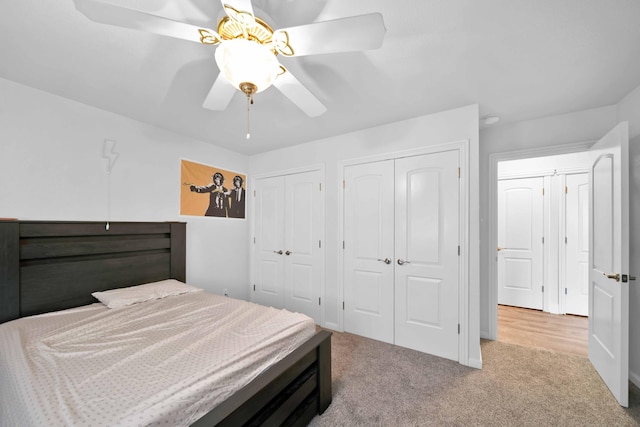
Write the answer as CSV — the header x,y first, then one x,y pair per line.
x,y
521,59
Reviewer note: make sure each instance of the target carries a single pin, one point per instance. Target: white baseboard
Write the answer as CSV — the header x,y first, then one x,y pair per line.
x,y
634,378
475,363
332,326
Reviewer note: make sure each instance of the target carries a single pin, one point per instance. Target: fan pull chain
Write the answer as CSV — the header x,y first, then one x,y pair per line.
x,y
249,102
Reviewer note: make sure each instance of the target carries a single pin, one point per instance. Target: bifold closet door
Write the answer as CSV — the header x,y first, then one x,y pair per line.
x,y
427,229
368,250
288,243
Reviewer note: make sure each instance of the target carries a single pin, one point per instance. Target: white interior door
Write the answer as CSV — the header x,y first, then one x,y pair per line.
x,y
520,240
427,257
368,252
609,261
302,248
269,242
576,280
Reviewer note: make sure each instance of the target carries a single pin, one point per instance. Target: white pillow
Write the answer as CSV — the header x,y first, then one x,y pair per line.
x,y
116,298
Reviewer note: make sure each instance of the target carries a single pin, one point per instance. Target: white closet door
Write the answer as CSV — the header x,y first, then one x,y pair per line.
x,y
426,249
368,253
520,234
577,244
303,253
269,243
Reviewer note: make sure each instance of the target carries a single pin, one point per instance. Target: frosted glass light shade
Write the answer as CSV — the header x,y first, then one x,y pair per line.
x,y
246,61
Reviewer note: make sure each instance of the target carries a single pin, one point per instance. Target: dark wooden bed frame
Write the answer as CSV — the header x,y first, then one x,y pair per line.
x,y
54,265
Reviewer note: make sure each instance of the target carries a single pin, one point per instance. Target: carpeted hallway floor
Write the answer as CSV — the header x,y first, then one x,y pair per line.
x,y
378,384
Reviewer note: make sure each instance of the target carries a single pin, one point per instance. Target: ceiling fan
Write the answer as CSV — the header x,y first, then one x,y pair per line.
x,y
247,47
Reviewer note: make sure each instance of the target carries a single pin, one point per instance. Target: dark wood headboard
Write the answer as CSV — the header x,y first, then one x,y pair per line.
x,y
53,265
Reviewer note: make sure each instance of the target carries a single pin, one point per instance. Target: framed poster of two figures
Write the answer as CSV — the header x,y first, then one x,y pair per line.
x,y
211,191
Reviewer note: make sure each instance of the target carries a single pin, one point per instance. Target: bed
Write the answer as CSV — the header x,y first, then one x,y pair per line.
x,y
51,266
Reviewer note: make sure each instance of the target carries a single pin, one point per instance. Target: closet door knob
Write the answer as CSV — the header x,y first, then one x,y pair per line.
x,y
386,260
402,262
278,252
288,253
615,276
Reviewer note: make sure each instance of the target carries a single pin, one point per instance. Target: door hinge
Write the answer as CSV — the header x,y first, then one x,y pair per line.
x,y
565,240
254,287
320,186
344,184
254,240
543,191
254,193
543,240
458,328
458,250
343,305
320,244
565,291
566,189
458,172
319,300
343,244
542,288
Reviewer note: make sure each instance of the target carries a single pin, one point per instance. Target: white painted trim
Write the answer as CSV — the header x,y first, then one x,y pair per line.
x,y
562,256
547,224
492,241
463,149
340,241
332,326
465,254
475,363
302,169
543,172
635,378
393,155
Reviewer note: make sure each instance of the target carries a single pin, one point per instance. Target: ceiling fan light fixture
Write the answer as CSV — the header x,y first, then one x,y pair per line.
x,y
247,63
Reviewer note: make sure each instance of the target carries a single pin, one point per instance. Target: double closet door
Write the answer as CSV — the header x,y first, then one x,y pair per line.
x,y
401,251
287,245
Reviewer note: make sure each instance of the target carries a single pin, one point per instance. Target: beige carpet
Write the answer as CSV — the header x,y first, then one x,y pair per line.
x,y
378,384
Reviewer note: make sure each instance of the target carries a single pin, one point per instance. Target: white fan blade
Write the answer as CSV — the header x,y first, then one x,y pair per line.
x,y
220,94
105,13
239,10
291,87
355,33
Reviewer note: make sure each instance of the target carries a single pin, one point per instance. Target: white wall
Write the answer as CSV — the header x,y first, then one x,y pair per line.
x,y
629,110
451,126
51,169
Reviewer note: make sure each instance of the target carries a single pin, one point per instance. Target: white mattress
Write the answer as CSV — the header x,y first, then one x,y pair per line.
x,y
166,361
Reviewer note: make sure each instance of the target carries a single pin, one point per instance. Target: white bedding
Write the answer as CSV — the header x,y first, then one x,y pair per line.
x,y
166,361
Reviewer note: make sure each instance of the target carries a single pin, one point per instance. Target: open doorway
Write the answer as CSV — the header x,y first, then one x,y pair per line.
x,y
541,262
